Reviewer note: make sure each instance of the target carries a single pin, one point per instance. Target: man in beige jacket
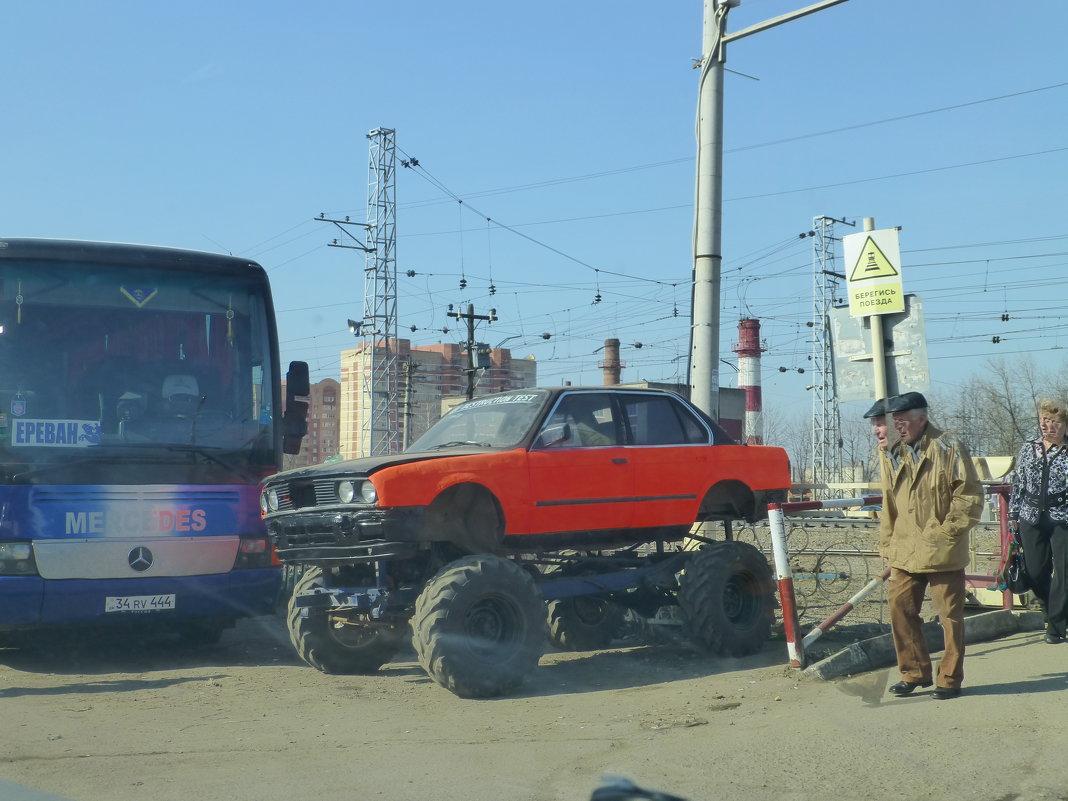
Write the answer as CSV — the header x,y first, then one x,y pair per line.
x,y
931,501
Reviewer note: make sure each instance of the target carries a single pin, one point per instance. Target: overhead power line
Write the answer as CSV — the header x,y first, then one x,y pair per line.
x,y
422,171
769,143
913,115
900,174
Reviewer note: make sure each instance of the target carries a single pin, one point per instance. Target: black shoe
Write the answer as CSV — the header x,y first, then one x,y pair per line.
x,y
942,693
906,687
1052,639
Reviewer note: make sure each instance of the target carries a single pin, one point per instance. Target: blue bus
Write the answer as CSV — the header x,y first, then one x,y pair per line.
x,y
139,411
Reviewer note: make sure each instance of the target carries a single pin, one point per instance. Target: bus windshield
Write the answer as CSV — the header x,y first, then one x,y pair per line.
x,y
119,373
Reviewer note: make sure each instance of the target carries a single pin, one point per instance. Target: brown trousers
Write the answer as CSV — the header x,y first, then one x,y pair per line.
x,y
905,596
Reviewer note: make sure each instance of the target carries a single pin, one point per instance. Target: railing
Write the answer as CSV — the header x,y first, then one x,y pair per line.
x,y
777,512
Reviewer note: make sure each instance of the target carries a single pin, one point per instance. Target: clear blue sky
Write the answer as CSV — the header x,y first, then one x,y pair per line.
x,y
229,126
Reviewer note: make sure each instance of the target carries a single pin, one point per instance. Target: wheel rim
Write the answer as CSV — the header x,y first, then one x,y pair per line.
x,y
491,623
351,635
740,599
590,611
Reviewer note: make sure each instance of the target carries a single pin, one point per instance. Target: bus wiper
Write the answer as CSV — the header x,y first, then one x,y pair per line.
x,y
200,450
128,447
37,470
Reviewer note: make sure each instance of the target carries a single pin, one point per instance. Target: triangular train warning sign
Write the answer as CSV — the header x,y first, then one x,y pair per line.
x,y
872,263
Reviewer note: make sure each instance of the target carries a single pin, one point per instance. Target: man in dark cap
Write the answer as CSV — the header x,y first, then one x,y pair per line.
x,y
931,500
879,426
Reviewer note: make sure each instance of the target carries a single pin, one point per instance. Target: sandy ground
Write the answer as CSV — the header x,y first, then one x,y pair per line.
x,y
124,720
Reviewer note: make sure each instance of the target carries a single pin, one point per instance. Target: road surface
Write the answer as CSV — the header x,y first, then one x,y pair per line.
x,y
125,720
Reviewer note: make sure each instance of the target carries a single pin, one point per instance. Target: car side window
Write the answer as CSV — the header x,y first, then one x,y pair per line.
x,y
696,433
580,420
658,420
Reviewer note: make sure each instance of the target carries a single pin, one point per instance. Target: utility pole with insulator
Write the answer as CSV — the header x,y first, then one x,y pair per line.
x,y
472,346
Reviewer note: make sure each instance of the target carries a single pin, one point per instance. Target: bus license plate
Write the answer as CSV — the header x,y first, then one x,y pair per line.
x,y
138,603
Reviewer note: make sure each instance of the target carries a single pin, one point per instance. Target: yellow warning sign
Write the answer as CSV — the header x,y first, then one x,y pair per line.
x,y
874,282
869,299
872,263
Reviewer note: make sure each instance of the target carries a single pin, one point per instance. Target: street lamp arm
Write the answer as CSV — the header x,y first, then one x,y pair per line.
x,y
780,20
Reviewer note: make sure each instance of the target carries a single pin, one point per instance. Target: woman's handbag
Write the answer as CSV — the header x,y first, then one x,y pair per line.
x,y
1012,575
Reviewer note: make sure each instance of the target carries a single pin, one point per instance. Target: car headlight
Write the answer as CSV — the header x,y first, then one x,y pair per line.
x,y
272,499
346,491
368,492
263,502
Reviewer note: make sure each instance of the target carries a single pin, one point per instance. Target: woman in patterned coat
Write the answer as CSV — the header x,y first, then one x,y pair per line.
x,y
1039,504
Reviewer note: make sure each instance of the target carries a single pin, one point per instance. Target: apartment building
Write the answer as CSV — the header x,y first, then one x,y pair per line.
x,y
424,380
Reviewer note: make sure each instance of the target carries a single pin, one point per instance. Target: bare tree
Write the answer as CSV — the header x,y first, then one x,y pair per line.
x,y
797,440
858,446
776,427
995,411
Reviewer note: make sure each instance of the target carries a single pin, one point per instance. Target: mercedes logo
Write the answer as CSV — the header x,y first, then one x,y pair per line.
x,y
140,559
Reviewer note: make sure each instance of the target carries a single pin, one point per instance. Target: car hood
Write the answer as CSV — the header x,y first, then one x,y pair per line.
x,y
370,464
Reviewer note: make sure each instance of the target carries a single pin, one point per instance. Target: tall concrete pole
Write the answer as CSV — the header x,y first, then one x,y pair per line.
x,y
708,216
707,259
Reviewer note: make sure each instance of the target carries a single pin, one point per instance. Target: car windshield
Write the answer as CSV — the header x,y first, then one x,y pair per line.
x,y
501,421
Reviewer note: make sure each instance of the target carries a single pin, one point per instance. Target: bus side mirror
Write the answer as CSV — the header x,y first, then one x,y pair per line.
x,y
295,416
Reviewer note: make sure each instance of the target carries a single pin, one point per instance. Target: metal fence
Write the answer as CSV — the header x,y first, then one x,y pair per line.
x,y
834,558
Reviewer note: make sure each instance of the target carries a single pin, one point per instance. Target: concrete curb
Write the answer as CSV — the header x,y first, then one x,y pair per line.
x,y
878,652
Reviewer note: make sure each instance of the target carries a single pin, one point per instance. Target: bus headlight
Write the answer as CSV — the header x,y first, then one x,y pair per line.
x,y
252,552
16,559
368,492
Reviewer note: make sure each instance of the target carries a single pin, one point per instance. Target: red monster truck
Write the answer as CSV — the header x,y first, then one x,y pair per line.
x,y
532,512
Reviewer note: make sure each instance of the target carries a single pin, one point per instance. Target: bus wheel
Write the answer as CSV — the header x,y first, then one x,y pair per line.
x,y
727,596
336,643
479,626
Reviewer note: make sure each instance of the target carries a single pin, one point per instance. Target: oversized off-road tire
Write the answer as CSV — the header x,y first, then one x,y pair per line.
x,y
727,596
584,622
332,646
479,626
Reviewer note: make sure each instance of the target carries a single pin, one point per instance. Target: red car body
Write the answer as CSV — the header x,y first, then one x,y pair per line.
x,y
534,470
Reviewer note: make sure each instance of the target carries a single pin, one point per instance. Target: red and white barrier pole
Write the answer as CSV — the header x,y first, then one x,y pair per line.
x,y
844,610
785,578
795,645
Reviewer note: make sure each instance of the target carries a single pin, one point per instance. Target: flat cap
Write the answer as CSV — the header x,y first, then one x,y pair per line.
x,y
905,402
878,409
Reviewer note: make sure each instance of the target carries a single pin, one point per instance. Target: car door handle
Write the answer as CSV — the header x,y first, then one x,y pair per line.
x,y
619,461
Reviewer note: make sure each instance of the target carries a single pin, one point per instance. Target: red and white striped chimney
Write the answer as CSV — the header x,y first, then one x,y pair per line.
x,y
749,350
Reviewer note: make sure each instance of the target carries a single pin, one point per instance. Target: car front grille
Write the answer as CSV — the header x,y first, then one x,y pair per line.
x,y
304,493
